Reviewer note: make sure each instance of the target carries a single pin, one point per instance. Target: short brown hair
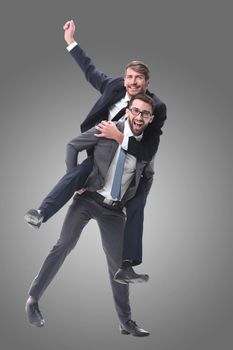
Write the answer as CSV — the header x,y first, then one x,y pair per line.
x,y
139,67
143,97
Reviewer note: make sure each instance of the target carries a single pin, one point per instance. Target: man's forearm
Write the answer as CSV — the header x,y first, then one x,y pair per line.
x,y
118,137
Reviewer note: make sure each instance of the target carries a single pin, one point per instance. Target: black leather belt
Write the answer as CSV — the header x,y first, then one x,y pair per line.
x,y
105,202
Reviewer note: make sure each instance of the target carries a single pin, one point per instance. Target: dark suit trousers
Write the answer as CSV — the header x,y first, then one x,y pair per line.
x,y
132,246
111,224
73,181
65,188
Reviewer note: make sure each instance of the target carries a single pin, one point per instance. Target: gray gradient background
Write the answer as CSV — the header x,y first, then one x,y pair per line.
x,y
188,226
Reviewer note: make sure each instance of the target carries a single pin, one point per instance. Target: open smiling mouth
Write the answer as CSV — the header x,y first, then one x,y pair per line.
x,y
137,124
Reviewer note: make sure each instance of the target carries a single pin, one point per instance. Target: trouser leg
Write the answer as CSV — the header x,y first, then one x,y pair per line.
x,y
111,226
77,217
65,188
132,245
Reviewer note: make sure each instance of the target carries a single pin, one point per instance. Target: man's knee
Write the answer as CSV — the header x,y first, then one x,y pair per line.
x,y
64,246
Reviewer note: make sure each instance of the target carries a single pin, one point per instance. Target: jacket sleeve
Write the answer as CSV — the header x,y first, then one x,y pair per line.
x,y
147,148
85,141
94,76
148,176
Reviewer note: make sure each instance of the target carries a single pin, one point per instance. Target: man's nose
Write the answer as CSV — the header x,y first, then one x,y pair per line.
x,y
139,117
134,80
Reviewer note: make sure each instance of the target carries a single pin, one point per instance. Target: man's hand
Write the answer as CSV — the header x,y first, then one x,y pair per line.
x,y
110,131
69,29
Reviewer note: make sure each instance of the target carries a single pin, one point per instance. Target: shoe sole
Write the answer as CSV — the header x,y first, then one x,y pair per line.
x,y
124,332
33,226
36,325
132,281
120,281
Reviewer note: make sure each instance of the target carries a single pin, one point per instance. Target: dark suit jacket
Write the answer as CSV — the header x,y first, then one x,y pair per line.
x,y
112,90
104,151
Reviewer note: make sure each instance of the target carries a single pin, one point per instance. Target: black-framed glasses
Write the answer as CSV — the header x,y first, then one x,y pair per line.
x,y
135,111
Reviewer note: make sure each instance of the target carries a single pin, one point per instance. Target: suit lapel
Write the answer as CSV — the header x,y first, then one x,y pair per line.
x,y
117,95
100,109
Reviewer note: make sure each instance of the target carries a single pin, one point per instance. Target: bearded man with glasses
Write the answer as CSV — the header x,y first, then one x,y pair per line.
x,y
103,201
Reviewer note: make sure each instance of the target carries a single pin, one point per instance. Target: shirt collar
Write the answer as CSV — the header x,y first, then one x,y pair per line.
x,y
126,97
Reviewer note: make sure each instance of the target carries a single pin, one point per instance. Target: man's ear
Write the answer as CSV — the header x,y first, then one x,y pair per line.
x,y
147,83
151,120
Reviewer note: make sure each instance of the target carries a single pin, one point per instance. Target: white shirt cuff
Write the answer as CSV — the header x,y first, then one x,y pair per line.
x,y
125,141
71,46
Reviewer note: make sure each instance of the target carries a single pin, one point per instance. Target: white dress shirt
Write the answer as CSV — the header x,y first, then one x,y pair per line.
x,y
129,168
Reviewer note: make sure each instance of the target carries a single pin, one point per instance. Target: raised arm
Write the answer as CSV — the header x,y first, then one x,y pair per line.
x,y
94,76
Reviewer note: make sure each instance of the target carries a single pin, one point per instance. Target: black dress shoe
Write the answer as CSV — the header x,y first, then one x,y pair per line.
x,y
131,327
34,315
128,275
34,218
